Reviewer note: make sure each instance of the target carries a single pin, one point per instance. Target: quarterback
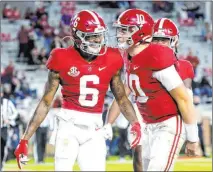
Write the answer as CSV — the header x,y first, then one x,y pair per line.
x,y
162,99
84,71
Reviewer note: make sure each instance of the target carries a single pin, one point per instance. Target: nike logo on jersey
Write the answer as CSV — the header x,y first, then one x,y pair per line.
x,y
136,67
100,69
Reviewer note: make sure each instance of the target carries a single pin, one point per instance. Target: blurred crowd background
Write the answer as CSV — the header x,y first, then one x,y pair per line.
x,y
30,30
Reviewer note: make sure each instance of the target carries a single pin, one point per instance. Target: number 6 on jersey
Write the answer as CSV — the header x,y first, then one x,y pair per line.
x,y
84,91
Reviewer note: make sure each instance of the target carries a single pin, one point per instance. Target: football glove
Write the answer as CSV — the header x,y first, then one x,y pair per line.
x,y
136,132
21,153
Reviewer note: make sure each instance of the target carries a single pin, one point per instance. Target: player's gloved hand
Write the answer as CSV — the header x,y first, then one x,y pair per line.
x,y
191,148
136,132
21,153
106,131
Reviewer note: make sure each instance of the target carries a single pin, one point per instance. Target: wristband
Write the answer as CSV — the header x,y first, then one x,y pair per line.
x,y
192,132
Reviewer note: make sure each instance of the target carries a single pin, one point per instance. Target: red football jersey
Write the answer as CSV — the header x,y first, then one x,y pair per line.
x,y
153,100
84,84
184,69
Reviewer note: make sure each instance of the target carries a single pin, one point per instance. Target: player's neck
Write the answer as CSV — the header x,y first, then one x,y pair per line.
x,y
89,58
134,50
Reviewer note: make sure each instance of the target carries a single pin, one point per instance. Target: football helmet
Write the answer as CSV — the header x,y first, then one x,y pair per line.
x,y
133,26
166,28
89,32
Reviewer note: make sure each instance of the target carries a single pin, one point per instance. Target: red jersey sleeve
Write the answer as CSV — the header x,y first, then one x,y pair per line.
x,y
185,69
161,57
53,60
190,70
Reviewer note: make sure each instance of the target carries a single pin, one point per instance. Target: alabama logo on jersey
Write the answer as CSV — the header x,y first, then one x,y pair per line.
x,y
73,72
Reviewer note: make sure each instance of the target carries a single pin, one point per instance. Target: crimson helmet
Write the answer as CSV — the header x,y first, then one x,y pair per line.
x,y
136,25
166,28
86,27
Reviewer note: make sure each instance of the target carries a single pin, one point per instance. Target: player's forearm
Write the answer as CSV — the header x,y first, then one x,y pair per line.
x,y
114,109
127,109
190,119
184,103
37,118
187,111
123,102
113,113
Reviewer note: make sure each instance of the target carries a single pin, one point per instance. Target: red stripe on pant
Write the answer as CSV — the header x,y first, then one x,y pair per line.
x,y
175,143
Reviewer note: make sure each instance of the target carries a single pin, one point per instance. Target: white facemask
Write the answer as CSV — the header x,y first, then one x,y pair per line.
x,y
123,45
93,50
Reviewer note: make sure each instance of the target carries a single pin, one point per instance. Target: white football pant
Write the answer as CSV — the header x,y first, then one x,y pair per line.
x,y
77,139
161,143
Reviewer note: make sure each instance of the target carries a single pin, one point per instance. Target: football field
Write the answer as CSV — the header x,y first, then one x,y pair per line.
x,y
183,164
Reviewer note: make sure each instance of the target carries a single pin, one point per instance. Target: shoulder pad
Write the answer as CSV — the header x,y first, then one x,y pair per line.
x,y
53,60
161,57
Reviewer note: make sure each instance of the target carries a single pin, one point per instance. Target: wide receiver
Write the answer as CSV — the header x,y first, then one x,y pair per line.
x,y
166,33
162,99
84,72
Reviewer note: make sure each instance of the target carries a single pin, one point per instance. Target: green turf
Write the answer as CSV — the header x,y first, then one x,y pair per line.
x,y
198,164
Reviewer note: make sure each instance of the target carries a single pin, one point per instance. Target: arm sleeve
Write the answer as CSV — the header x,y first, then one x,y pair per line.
x,y
191,71
168,77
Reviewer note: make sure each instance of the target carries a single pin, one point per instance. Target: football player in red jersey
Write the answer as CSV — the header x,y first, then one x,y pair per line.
x,y
166,33
84,71
162,99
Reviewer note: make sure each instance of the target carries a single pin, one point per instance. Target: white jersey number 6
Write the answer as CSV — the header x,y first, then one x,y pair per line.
x,y
84,91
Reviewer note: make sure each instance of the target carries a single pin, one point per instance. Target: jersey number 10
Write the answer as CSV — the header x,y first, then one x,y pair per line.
x,y
141,95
